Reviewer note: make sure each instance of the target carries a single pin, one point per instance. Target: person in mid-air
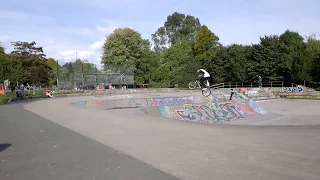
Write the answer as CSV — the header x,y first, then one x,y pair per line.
x,y
205,76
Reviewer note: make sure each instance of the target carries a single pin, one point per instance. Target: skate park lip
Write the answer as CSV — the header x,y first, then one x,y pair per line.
x,y
147,107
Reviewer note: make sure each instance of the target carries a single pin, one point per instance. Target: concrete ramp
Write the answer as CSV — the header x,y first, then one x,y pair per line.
x,y
137,102
212,109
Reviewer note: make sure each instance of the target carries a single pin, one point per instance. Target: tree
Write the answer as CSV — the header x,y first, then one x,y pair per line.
x,y
313,57
205,47
177,27
39,75
1,49
178,67
218,67
26,57
293,49
266,59
123,46
236,64
52,64
5,66
145,67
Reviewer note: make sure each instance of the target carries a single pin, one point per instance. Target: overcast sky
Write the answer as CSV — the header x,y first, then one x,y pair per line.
x,y
64,27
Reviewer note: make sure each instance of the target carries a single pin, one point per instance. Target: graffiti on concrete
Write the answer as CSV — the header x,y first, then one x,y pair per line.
x,y
215,111
210,113
168,101
276,89
134,103
209,110
297,89
121,96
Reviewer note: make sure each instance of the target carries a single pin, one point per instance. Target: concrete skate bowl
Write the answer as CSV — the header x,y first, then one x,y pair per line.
x,y
137,102
214,110
199,109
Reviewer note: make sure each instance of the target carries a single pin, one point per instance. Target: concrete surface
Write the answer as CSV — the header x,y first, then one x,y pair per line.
x,y
198,151
33,148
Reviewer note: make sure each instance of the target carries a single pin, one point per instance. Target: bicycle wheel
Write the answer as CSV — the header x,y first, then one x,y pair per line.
x,y
206,92
192,85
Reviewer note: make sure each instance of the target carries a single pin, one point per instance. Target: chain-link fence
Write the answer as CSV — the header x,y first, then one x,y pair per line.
x,y
111,75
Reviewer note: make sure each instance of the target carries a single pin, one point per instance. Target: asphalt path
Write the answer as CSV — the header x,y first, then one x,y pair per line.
x,y
32,147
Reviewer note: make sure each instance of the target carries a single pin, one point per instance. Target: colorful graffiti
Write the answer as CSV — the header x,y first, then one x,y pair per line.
x,y
169,101
215,111
297,89
276,89
138,102
188,108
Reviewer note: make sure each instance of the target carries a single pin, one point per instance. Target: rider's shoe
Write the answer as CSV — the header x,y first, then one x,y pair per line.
x,y
203,89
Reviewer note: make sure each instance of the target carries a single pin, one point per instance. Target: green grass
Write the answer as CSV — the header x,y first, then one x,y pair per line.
x,y
11,96
4,99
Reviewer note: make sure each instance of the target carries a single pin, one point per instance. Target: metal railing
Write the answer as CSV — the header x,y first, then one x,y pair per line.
x,y
251,84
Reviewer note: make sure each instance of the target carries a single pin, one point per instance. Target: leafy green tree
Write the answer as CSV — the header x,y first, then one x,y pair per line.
x,y
236,62
218,67
5,65
205,47
313,57
179,66
145,67
293,50
1,49
29,61
52,64
123,46
266,59
124,51
177,27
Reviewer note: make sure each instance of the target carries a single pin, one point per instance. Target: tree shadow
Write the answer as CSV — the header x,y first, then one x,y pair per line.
x,y
4,146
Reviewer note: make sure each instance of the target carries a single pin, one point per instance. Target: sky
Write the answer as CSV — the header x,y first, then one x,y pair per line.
x,y
63,28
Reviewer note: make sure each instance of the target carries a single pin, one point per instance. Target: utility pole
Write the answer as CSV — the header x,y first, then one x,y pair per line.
x,y
57,67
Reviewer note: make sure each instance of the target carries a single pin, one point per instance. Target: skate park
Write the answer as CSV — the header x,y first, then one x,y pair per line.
x,y
191,137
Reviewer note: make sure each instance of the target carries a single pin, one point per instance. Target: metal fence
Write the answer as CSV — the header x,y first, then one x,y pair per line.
x,y
250,84
91,81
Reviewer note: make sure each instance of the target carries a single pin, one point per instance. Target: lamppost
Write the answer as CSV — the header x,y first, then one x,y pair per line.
x,y
57,73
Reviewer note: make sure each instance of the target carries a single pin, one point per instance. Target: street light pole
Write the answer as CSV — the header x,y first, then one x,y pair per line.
x,y
57,67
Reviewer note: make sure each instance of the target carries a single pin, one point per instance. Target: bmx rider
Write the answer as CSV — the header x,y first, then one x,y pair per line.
x,y
205,76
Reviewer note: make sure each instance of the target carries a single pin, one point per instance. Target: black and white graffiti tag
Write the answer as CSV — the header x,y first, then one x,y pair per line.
x,y
297,89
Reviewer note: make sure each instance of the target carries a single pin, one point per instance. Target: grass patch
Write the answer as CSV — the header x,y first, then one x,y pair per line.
x,y
4,99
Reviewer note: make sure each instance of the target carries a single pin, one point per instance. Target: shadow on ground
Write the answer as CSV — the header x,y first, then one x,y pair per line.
x,y
4,146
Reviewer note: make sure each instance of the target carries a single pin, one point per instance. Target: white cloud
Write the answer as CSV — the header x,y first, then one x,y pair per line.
x,y
71,55
96,45
106,30
4,39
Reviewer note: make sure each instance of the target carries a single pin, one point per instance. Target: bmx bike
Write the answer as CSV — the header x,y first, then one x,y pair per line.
x,y
196,84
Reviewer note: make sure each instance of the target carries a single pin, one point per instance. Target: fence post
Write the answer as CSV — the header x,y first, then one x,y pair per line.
x,y
281,83
251,84
236,85
271,83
